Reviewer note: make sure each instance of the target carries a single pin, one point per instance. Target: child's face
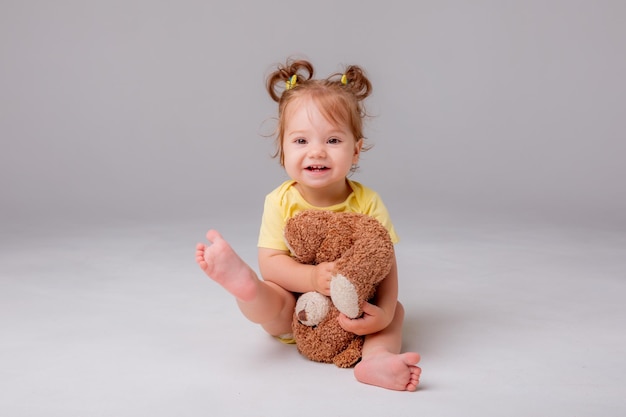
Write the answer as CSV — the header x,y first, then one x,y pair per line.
x,y
317,153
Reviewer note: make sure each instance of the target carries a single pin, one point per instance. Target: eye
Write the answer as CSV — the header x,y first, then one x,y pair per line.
x,y
300,141
334,141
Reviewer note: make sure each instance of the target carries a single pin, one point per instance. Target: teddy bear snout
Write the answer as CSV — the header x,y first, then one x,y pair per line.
x,y
312,308
302,316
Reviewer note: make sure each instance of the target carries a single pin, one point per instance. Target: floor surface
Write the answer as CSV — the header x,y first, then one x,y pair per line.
x,y
510,319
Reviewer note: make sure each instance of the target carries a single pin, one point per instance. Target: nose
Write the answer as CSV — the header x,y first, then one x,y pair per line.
x,y
317,150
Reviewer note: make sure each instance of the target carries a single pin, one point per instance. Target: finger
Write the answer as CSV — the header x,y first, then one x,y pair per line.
x,y
355,326
369,308
345,322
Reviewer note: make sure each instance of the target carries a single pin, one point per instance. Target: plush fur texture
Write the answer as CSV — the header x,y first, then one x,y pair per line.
x,y
363,252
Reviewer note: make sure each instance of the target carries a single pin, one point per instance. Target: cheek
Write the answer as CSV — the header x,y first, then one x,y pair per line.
x,y
290,158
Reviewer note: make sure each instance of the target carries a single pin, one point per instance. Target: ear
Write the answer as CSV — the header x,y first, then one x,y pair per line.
x,y
357,150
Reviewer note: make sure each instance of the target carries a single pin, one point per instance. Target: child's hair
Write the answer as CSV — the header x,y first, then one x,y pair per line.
x,y
339,97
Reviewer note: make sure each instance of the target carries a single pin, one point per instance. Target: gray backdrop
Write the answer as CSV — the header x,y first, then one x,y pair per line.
x,y
130,127
140,110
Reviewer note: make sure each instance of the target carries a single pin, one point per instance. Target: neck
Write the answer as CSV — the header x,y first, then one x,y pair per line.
x,y
325,197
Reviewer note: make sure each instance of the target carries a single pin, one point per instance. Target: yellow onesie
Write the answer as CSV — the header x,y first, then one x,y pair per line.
x,y
285,202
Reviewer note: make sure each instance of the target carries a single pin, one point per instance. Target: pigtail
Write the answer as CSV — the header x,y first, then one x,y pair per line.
x,y
283,78
355,80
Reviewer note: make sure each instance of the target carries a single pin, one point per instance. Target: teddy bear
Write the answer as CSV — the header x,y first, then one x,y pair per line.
x,y
363,254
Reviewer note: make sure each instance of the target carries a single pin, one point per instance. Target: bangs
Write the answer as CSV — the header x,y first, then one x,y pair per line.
x,y
335,108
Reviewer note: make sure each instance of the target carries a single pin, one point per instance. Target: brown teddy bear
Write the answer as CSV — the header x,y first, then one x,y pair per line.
x,y
362,251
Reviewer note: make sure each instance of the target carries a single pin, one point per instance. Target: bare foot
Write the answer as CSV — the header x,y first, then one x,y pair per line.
x,y
389,370
220,262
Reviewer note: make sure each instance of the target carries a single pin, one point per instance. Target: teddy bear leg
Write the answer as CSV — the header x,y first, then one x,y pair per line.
x,y
311,308
344,296
351,355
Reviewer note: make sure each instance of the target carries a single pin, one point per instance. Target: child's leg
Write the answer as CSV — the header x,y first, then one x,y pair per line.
x,y
261,302
383,364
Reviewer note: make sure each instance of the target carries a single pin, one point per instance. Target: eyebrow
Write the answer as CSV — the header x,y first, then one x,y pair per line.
x,y
304,132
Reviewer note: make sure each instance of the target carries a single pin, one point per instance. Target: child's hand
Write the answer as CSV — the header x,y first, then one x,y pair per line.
x,y
374,319
320,277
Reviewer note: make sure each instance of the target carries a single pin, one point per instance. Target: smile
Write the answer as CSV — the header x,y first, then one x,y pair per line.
x,y
317,168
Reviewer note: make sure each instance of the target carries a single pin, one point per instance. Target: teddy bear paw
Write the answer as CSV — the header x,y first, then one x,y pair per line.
x,y
344,296
311,308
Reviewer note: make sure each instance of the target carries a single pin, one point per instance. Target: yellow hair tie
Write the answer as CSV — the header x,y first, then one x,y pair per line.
x,y
291,83
344,79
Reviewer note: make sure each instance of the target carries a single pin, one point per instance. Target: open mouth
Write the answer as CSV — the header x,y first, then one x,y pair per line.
x,y
317,168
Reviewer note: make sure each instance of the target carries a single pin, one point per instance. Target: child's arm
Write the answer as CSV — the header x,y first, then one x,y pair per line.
x,y
278,267
376,317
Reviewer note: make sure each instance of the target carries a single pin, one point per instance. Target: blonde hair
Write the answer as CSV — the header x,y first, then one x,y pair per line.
x,y
338,97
